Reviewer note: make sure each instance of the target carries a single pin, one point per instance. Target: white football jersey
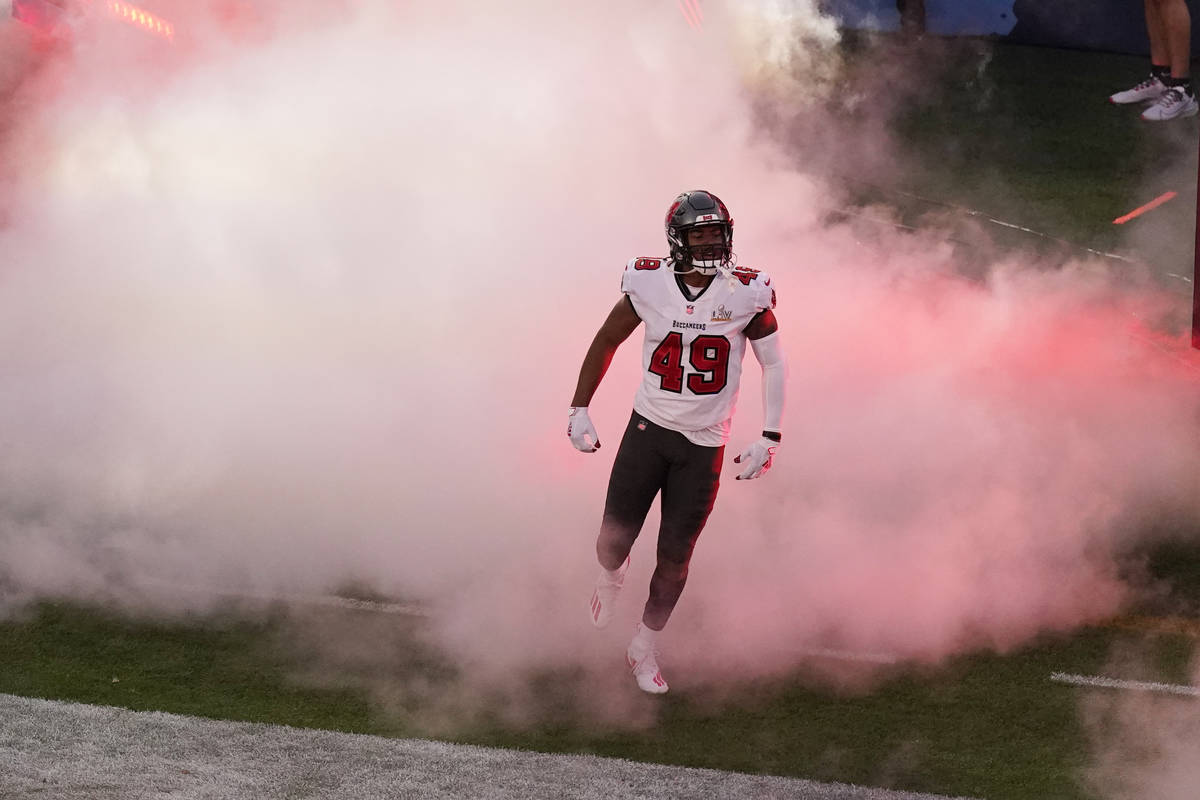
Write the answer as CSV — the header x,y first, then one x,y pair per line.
x,y
693,350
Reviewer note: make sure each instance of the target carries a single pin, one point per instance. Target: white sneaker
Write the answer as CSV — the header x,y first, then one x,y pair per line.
x,y
1175,102
604,597
1150,89
643,663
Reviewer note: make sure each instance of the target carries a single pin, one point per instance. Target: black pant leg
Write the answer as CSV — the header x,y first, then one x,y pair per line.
x,y
687,500
639,472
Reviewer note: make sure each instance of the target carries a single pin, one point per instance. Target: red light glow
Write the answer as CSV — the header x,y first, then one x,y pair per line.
x,y
141,18
691,12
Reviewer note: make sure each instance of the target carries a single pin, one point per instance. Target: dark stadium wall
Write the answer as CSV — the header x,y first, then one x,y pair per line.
x,y
1114,25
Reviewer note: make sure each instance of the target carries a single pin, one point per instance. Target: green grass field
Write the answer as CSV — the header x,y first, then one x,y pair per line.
x,y
1025,135
981,725
1021,134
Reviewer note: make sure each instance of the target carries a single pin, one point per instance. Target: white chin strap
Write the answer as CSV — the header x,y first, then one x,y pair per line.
x,y
703,267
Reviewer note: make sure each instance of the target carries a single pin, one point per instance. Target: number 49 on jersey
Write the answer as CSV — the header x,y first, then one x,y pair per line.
x,y
708,355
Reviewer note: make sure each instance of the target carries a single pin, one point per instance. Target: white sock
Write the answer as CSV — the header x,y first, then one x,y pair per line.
x,y
645,638
618,574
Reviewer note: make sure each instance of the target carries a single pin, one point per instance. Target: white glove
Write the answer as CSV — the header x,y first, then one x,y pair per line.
x,y
757,458
579,428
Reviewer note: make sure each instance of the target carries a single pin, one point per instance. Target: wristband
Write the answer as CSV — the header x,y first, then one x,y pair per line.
x,y
774,436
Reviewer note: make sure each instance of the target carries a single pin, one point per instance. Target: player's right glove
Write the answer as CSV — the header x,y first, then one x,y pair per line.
x,y
756,458
579,429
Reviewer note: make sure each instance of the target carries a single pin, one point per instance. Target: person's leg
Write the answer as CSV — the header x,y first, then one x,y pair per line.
x,y
912,16
1175,24
1176,28
687,500
1155,86
1160,55
639,471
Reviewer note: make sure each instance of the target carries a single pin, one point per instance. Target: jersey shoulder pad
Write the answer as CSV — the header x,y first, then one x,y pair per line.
x,y
636,271
644,263
750,276
759,283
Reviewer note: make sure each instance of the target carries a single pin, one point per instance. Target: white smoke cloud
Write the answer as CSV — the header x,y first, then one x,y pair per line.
x,y
310,310
1143,745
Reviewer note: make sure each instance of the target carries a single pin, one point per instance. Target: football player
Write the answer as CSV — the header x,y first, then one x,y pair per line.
x,y
699,309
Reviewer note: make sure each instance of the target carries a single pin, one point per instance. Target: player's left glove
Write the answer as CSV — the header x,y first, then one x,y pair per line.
x,y
757,458
579,428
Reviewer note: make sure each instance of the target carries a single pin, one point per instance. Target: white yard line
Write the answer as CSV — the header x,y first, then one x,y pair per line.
x,y
849,655
70,751
334,601
1117,683
987,217
325,600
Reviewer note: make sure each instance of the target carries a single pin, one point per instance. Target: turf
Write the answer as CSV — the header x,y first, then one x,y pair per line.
x,y
1026,135
982,725
209,667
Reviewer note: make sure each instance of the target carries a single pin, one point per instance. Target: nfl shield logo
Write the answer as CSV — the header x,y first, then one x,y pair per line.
x,y
691,309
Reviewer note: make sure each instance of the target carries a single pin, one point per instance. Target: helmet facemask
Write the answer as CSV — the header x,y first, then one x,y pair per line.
x,y
705,259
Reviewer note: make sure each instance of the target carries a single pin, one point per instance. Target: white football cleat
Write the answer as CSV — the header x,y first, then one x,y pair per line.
x,y
643,663
604,597
1150,89
1174,103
